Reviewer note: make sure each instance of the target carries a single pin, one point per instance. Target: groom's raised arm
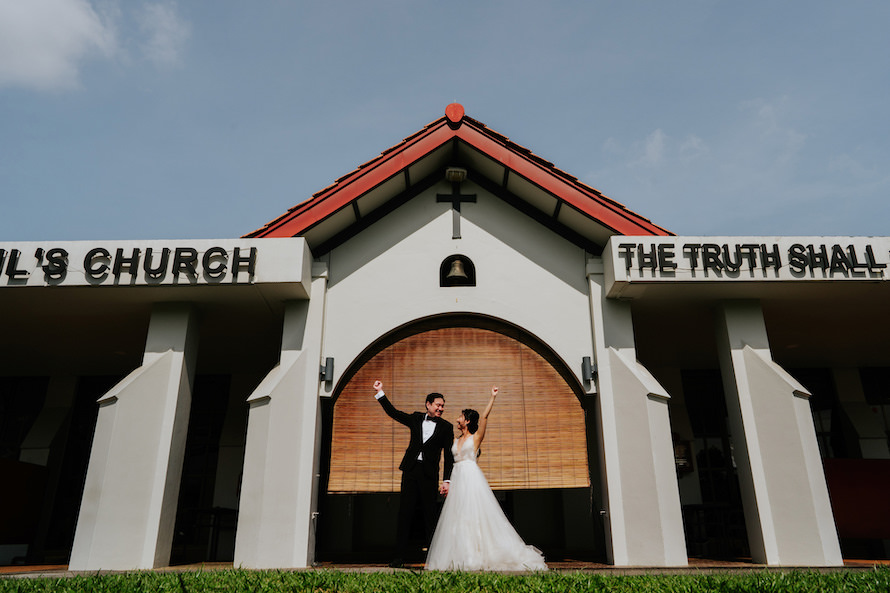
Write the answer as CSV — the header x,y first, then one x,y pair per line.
x,y
391,411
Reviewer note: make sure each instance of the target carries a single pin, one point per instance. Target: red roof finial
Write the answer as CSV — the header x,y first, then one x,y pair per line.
x,y
455,113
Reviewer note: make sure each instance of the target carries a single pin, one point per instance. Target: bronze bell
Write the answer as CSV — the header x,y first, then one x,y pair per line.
x,y
457,271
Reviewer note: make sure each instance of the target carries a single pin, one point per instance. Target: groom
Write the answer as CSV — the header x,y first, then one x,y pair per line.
x,y
430,435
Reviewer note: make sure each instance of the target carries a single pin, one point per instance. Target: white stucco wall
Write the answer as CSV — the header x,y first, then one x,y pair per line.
x,y
388,276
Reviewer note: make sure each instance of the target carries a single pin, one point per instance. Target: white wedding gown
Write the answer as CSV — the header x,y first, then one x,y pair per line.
x,y
473,533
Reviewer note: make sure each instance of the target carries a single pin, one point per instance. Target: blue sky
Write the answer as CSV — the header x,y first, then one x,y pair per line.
x,y
206,119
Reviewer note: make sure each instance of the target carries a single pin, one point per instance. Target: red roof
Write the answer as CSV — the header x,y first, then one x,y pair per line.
x,y
456,126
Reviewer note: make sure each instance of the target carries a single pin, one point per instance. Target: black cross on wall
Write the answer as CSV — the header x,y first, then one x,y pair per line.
x,y
455,197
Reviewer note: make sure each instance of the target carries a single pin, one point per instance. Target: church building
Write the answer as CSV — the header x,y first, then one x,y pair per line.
x,y
662,397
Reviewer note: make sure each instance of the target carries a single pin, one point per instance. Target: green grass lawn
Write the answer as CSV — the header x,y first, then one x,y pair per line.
x,y
323,581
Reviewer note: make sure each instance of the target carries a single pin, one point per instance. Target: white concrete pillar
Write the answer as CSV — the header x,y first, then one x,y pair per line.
x,y
276,514
787,510
644,523
132,485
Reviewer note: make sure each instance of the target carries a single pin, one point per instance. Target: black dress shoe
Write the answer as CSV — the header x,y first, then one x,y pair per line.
x,y
397,563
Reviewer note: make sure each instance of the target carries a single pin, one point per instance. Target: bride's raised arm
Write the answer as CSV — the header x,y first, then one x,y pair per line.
x,y
483,421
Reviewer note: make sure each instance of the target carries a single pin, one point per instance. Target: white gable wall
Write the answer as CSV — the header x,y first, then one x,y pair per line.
x,y
388,276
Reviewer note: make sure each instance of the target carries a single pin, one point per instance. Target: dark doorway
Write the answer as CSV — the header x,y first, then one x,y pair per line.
x,y
715,528
201,526
52,492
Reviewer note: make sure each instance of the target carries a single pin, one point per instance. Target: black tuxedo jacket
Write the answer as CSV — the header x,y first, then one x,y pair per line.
x,y
441,440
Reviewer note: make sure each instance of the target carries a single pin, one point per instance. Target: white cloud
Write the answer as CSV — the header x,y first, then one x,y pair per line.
x,y
612,146
693,148
43,42
653,149
743,175
844,163
166,33
658,150
774,135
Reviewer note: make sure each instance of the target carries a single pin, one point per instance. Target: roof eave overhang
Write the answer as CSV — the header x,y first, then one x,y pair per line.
x,y
396,161
355,185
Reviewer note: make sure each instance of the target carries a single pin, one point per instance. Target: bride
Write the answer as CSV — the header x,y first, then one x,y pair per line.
x,y
473,533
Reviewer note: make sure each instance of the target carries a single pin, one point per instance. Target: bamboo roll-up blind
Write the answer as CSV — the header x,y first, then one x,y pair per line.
x,y
536,434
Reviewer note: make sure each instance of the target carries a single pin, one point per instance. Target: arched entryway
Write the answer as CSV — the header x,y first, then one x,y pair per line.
x,y
536,454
